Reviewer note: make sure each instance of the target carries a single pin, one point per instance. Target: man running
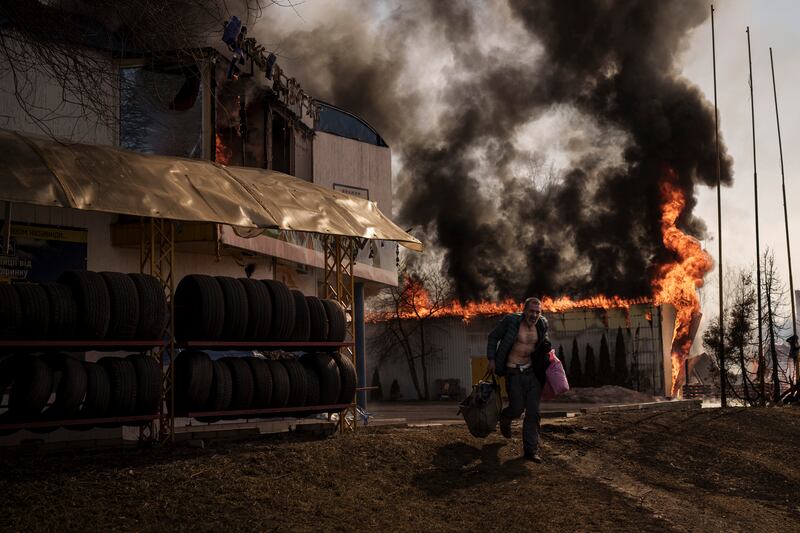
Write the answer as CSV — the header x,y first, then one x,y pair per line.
x,y
518,349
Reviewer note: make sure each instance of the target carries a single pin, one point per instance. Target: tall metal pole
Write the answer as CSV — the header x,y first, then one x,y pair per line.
x,y
361,359
761,361
785,217
722,372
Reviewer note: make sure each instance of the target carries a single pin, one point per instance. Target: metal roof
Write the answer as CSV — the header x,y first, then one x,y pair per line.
x,y
42,171
345,124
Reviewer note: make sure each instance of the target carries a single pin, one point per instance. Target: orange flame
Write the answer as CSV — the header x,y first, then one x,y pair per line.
x,y
675,283
415,303
223,153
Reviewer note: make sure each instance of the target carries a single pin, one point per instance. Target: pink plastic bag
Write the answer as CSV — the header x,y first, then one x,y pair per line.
x,y
556,379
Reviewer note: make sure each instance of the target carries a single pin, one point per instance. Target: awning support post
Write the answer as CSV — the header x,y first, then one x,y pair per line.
x,y
361,353
157,258
340,255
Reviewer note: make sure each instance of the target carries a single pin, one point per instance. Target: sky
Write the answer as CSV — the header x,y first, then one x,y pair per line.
x,y
771,25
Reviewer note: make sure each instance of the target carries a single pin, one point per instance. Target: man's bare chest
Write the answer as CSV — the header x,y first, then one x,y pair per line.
x,y
527,334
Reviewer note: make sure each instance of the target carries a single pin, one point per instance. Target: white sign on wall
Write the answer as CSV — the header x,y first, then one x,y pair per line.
x,y
352,190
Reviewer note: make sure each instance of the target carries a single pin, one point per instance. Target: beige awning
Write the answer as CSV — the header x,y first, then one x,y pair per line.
x,y
41,171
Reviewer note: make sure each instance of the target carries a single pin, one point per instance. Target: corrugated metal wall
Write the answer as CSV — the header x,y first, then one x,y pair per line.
x,y
642,338
454,343
451,347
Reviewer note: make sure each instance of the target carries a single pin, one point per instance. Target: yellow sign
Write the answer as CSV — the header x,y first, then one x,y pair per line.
x,y
47,233
41,253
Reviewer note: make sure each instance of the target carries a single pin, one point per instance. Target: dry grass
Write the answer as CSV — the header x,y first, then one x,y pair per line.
x,y
708,470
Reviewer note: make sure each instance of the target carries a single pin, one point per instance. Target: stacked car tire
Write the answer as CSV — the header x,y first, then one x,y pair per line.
x,y
222,308
221,387
81,306
58,387
87,306
107,306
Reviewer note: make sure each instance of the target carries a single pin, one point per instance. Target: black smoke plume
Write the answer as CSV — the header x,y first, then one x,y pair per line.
x,y
590,228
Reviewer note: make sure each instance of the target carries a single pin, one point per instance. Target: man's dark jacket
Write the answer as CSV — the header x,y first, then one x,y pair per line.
x,y
502,338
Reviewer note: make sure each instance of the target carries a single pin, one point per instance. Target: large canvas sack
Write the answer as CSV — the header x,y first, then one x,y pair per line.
x,y
556,379
481,409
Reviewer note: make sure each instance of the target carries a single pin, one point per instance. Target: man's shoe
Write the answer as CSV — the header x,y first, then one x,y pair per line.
x,y
505,427
533,456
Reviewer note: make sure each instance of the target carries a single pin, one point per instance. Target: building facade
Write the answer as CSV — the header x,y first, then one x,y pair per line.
x,y
456,350
192,110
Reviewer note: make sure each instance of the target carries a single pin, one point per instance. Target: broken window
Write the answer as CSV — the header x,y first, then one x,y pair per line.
x,y
161,110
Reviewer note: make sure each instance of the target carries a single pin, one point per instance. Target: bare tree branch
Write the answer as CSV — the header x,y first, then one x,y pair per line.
x,y
403,313
75,44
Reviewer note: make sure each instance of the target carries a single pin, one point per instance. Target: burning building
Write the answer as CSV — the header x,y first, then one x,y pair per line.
x,y
657,331
637,139
455,348
255,114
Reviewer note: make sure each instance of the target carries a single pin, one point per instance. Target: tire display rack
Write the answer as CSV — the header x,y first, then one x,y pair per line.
x,y
21,346
261,412
157,258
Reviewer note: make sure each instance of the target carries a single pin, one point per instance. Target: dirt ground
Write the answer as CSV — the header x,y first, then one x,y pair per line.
x,y
697,470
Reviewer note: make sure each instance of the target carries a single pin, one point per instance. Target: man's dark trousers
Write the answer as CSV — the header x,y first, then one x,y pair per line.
x,y
524,391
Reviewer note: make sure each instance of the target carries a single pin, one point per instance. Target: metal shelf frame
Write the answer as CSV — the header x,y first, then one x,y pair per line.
x,y
78,345
276,410
157,258
339,283
122,420
288,345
